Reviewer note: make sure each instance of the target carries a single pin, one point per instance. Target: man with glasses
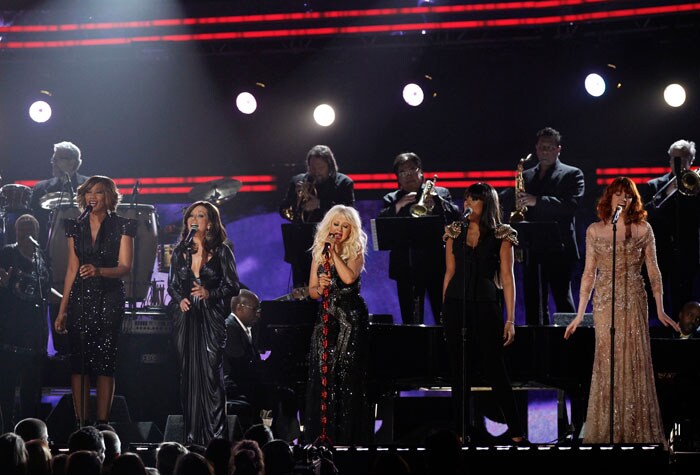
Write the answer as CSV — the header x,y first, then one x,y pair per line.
x,y
417,270
246,390
552,193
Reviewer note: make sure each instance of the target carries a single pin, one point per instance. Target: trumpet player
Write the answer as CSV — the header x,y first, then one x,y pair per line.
x,y
417,270
309,196
552,193
674,214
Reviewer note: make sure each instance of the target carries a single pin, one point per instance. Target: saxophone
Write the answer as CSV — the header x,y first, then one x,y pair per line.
x,y
518,214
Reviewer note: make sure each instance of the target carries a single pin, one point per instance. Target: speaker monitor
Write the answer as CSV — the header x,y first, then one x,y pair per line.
x,y
175,429
563,319
137,433
61,421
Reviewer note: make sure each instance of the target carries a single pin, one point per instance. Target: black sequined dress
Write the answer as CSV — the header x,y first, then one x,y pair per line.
x,y
348,415
200,339
96,304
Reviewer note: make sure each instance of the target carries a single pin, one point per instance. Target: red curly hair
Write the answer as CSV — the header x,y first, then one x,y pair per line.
x,y
635,211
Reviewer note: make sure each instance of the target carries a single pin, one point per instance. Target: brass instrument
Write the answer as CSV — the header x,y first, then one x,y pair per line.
x,y
518,214
305,190
687,185
426,204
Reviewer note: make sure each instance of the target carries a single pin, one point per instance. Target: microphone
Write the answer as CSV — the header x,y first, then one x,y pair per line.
x,y
70,185
467,213
34,241
193,230
616,215
135,192
84,214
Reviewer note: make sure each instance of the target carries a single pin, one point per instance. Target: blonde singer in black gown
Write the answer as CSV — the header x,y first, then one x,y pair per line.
x,y
201,283
100,253
346,414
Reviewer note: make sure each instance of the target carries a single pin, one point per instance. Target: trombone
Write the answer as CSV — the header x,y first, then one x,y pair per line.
x,y
687,185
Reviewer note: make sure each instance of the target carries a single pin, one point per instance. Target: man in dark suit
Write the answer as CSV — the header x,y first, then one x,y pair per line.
x,y
675,218
417,270
553,192
246,388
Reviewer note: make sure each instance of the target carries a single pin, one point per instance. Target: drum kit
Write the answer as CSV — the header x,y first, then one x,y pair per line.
x,y
15,199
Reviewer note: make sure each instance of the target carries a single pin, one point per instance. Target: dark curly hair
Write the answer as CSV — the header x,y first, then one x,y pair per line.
x,y
635,211
215,236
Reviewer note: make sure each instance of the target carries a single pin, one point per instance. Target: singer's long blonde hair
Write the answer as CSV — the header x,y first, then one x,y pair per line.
x,y
356,243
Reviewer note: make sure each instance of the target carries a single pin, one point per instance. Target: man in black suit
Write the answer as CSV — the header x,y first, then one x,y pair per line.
x,y
552,193
244,370
675,218
417,270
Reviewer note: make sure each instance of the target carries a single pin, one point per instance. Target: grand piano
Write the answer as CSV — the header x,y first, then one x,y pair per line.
x,y
404,357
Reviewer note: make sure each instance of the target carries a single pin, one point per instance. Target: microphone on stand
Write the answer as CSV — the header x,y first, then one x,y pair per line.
x,y
616,214
85,213
135,192
70,185
34,242
193,230
467,213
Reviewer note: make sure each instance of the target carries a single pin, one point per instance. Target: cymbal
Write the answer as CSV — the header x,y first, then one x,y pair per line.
x,y
216,192
53,199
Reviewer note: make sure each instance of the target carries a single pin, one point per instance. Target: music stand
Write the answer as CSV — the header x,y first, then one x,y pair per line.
x,y
298,239
537,239
404,232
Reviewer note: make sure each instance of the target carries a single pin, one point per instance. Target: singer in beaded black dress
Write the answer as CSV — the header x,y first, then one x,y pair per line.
x,y
337,412
100,253
201,282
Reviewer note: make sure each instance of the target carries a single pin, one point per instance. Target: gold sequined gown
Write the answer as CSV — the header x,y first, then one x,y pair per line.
x,y
636,409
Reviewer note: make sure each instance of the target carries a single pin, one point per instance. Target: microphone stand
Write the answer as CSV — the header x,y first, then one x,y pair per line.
x,y
466,386
612,332
83,395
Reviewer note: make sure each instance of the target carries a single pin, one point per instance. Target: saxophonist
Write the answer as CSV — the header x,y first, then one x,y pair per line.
x,y
309,195
417,271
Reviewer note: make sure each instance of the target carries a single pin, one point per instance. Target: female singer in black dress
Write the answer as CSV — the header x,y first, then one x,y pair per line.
x,y
336,399
100,253
487,256
201,283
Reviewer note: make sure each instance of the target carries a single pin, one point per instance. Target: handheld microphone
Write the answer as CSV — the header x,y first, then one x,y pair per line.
x,y
85,213
135,192
616,214
467,213
34,242
193,230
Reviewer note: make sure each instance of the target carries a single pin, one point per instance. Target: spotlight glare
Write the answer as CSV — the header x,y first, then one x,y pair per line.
x,y
595,85
246,103
324,115
40,111
413,94
674,95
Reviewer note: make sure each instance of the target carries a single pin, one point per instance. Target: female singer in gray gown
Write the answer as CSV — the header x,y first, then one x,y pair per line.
x,y
201,282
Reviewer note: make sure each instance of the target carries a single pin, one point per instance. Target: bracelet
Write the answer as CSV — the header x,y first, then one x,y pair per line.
x,y
512,323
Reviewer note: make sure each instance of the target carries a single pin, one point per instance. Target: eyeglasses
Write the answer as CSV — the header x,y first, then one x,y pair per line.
x,y
404,173
257,309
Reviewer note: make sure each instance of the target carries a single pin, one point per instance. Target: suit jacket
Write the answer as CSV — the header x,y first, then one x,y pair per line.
x,y
242,363
558,193
424,259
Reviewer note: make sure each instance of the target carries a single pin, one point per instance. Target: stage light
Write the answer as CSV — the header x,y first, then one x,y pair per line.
x,y
324,115
40,111
595,85
246,103
674,95
413,94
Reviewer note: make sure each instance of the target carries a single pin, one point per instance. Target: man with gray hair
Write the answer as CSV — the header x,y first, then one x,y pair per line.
x,y
674,214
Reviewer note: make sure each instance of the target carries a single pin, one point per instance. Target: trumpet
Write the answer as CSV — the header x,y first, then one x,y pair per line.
x,y
425,204
305,190
518,214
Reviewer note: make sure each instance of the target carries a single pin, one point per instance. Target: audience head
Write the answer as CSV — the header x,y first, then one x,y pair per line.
x,y
218,453
192,464
689,318
38,457
87,438
623,191
113,445
58,464
31,428
128,464
443,451
13,454
321,164
65,159
167,456
246,306
408,169
247,458
260,433
278,456
83,462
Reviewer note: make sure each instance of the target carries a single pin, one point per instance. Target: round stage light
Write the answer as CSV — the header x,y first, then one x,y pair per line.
x,y
595,85
324,115
413,94
674,95
246,103
40,111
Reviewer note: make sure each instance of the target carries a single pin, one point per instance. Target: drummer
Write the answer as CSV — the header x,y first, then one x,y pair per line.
x,y
65,163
